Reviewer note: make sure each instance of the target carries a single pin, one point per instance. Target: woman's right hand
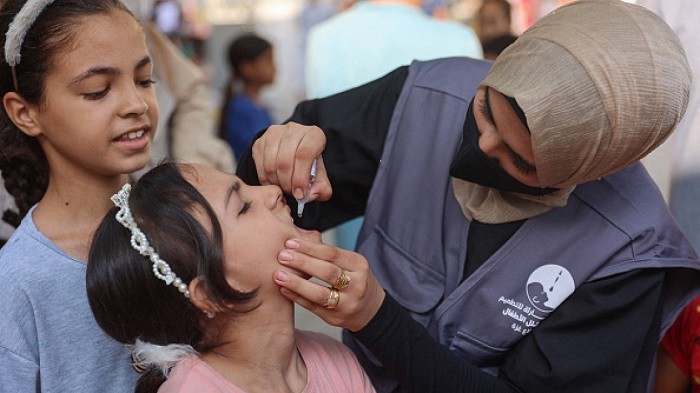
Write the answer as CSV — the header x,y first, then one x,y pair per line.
x,y
358,302
283,156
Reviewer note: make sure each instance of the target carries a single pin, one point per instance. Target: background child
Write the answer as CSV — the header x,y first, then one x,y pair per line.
x,y
221,302
678,359
79,113
252,68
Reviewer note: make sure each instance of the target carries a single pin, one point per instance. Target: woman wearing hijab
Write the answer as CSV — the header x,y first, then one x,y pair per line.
x,y
519,244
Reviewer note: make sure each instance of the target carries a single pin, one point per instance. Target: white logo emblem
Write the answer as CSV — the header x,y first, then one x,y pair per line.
x,y
548,286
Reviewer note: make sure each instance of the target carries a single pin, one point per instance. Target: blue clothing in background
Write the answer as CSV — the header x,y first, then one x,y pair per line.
x,y
49,340
243,119
371,39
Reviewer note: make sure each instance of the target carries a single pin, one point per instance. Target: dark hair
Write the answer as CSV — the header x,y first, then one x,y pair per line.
x,y
244,48
127,299
247,47
22,161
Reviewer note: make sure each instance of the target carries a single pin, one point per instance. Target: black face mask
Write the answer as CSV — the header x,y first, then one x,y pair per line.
x,y
473,165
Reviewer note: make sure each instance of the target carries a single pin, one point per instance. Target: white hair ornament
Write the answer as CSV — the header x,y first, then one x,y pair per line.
x,y
21,23
161,269
164,357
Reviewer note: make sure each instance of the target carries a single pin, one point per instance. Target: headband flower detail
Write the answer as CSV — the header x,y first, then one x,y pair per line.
x,y
161,269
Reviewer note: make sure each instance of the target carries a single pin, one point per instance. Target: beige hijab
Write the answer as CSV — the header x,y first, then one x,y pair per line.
x,y
602,83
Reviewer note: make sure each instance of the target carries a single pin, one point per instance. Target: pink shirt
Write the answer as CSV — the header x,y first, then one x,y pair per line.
x,y
331,367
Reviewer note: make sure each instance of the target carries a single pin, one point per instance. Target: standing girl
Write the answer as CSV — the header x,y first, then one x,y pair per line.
x,y
79,113
242,115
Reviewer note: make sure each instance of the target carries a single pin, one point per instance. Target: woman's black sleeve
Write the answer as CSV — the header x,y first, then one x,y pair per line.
x,y
600,340
355,123
417,361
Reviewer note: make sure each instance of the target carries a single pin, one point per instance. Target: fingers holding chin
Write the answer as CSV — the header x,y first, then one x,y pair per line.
x,y
301,291
331,316
298,273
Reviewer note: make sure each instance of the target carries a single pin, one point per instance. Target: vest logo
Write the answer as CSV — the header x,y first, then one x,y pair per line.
x,y
548,286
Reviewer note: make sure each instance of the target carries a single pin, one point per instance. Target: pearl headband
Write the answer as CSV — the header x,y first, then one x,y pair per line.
x,y
161,269
24,19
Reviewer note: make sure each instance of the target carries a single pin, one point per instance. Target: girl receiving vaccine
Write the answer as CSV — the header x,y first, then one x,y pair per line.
x,y
181,270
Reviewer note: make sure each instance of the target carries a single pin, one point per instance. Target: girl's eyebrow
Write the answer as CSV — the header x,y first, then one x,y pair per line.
x,y
107,70
146,60
234,187
100,70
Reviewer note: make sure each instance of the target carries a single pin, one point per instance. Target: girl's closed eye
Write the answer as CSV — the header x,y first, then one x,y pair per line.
x,y
148,82
244,209
97,94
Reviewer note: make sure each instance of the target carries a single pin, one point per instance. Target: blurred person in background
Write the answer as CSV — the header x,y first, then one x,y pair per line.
x,y
493,19
188,131
373,37
315,12
196,31
167,15
252,66
678,358
370,39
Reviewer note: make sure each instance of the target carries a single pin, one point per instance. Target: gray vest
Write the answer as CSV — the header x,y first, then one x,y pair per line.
x,y
415,234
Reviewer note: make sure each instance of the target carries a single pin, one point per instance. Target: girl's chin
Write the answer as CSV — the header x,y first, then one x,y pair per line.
x,y
311,235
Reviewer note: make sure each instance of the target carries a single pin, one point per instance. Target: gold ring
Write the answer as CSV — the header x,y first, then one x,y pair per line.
x,y
342,281
333,299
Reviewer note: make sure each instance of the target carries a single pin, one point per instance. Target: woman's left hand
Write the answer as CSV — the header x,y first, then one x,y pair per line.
x,y
359,294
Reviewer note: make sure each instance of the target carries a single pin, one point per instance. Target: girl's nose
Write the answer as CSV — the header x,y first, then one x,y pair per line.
x,y
271,194
134,103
